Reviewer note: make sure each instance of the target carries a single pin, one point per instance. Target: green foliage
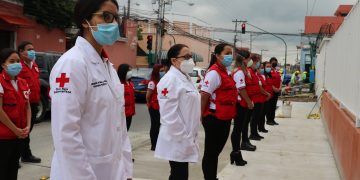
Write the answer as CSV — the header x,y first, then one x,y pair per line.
x,y
139,33
53,14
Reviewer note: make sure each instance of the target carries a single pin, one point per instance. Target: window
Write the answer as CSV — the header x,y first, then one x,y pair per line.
x,y
194,74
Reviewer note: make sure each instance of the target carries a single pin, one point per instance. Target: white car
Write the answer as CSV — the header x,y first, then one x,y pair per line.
x,y
197,76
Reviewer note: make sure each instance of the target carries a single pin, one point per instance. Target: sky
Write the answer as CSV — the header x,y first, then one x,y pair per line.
x,y
280,16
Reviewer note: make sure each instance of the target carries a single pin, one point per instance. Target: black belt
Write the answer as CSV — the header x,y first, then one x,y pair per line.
x,y
212,110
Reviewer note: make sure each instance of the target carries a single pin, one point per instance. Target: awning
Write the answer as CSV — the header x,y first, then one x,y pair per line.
x,y
195,56
15,20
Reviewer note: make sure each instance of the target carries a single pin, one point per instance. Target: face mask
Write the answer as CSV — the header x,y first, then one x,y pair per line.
x,y
227,60
257,65
250,63
32,55
106,34
187,66
162,74
274,65
128,75
262,71
267,70
13,69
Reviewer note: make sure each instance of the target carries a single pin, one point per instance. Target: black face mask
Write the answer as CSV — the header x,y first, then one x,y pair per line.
x,y
274,65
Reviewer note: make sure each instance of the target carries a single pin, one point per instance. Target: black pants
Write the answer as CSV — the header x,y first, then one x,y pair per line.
x,y
238,127
179,170
245,132
216,134
155,126
270,116
9,159
265,112
255,119
25,151
128,122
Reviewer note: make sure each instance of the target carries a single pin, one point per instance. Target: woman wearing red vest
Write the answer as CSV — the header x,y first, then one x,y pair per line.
x,y
153,104
15,113
276,79
266,82
125,74
218,104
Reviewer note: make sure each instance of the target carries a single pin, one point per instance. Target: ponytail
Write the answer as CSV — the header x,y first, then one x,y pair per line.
x,y
212,60
218,49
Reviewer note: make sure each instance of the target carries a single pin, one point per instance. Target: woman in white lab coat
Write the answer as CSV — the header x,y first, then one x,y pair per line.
x,y
179,102
88,118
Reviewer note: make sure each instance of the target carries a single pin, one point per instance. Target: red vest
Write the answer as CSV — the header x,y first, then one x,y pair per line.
x,y
268,85
154,103
14,104
32,78
252,87
129,95
276,78
226,96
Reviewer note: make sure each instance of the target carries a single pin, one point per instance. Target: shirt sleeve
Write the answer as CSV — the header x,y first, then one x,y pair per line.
x,y
1,91
211,82
151,85
239,79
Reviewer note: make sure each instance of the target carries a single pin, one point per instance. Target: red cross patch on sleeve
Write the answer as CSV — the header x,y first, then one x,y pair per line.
x,y
62,80
164,93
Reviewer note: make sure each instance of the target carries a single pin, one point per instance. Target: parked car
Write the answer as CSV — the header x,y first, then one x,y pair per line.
x,y
141,79
46,62
197,76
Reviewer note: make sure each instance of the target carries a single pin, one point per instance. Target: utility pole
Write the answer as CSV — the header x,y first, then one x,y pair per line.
x,y
128,11
236,21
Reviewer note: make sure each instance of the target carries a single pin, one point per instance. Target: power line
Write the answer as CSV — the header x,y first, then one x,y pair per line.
x,y
312,9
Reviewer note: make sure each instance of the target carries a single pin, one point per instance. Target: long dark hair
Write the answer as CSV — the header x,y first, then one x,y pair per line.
x,y
240,57
122,71
218,49
155,74
4,54
173,52
84,10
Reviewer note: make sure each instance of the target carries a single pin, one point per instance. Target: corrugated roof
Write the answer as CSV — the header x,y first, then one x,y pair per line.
x,y
343,9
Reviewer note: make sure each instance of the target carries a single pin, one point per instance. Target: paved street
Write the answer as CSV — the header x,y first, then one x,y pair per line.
x,y
297,149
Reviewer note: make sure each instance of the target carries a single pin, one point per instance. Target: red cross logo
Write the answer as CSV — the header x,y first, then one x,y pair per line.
x,y
164,92
62,80
207,82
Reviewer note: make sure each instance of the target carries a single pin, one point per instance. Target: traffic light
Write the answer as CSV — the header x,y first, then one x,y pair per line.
x,y
149,42
243,28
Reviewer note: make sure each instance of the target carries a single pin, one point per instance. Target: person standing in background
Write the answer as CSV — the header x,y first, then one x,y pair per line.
x,y
30,72
276,80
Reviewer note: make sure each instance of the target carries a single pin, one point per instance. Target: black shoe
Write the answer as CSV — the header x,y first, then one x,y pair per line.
x,y
276,123
31,159
254,137
247,147
152,148
270,123
258,135
236,158
263,130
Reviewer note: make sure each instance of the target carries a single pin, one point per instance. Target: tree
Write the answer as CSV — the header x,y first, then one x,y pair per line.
x,y
53,14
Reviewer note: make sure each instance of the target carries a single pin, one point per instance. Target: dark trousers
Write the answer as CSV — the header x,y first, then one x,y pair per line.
x,y
25,151
238,127
270,116
265,112
155,126
245,132
9,159
179,170
216,134
255,119
128,122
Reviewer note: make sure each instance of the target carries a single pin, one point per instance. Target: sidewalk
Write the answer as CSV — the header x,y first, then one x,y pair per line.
x,y
297,149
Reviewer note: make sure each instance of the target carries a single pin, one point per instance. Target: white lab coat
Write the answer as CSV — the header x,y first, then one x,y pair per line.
x,y
88,118
180,118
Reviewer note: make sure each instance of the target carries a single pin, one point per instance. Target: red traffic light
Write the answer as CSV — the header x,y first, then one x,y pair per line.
x,y
243,28
243,25
149,37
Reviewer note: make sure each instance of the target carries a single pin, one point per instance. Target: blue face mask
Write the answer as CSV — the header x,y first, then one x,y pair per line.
x,y
227,60
106,34
162,74
258,65
13,69
268,70
262,71
32,55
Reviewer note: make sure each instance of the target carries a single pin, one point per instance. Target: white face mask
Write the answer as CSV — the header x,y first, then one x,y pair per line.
x,y
187,66
250,63
128,75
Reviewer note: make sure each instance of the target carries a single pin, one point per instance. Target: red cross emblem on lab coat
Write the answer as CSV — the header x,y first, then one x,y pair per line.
x,y
207,82
62,80
164,92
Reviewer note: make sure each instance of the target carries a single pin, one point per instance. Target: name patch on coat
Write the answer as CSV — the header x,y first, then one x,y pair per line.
x,y
99,83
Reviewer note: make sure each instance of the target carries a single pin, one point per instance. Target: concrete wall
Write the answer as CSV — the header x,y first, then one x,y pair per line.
x,y
337,71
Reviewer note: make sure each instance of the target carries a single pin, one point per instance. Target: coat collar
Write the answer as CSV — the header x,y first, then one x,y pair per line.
x,y
7,77
179,74
90,51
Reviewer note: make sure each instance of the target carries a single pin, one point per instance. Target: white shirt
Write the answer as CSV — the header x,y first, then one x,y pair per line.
x,y
212,81
239,78
151,85
88,118
180,113
14,84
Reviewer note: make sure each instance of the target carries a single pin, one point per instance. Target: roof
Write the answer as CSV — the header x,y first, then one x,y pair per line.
x,y
343,9
17,21
314,23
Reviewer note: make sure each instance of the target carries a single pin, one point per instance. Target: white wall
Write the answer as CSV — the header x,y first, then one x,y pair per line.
x,y
338,63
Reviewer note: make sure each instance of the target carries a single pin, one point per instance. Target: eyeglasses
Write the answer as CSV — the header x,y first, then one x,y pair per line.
x,y
186,57
109,17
